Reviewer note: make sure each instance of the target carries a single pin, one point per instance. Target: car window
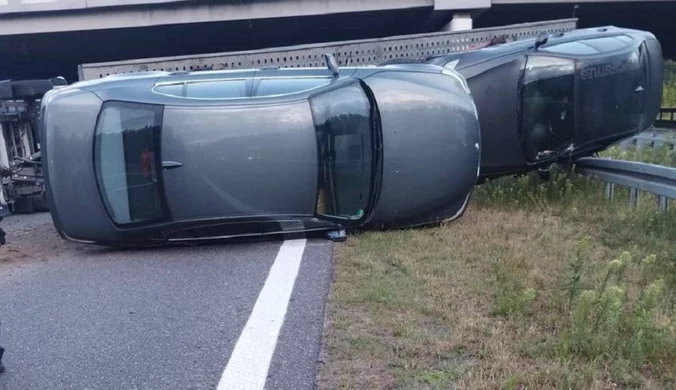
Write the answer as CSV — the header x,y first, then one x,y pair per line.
x,y
127,162
548,122
612,94
220,89
344,132
283,86
571,48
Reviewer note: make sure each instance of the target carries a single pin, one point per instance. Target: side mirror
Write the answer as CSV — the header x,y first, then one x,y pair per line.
x,y
332,64
542,39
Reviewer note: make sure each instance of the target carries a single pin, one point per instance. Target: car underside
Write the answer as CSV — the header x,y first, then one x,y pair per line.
x,y
202,156
557,98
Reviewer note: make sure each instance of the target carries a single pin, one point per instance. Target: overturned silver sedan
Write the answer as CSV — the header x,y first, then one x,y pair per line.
x,y
158,157
559,97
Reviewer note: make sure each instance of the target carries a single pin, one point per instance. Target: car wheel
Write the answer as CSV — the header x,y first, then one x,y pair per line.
x,y
30,89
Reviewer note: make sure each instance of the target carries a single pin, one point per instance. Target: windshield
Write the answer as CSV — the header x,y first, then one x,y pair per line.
x,y
126,160
343,127
548,116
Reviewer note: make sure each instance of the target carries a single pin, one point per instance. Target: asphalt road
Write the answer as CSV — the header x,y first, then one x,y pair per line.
x,y
81,317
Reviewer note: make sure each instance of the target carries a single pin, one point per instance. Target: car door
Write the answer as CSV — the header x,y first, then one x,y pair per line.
x,y
238,155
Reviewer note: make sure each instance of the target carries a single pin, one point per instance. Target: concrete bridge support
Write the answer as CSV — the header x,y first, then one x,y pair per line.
x,y
462,11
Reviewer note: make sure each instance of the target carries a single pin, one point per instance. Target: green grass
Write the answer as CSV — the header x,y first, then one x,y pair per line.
x,y
662,155
669,92
539,285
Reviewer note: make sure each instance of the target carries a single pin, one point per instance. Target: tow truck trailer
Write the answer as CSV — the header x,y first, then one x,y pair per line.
x,y
22,187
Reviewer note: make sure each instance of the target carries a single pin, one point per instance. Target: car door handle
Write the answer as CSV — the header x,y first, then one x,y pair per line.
x,y
171,164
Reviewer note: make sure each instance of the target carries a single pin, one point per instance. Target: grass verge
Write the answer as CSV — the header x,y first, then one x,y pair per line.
x,y
669,91
539,285
536,286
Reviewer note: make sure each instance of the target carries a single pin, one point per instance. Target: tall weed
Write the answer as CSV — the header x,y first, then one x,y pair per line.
x,y
669,91
609,323
514,296
659,154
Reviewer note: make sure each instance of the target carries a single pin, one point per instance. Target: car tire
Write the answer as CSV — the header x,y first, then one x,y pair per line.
x,y
30,89
544,174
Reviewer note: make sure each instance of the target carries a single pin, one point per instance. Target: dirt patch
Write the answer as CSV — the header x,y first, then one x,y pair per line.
x,y
32,238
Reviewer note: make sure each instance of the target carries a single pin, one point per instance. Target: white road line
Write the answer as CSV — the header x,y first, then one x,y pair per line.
x,y
248,366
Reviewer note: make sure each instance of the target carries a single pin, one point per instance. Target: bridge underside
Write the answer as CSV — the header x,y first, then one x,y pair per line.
x,y
46,55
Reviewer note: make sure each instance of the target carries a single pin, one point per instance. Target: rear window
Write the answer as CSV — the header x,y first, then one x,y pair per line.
x,y
612,95
127,161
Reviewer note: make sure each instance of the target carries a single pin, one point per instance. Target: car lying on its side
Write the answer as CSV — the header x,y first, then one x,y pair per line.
x,y
158,157
558,97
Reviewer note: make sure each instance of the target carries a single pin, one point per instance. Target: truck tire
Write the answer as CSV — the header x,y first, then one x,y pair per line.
x,y
30,89
40,203
23,206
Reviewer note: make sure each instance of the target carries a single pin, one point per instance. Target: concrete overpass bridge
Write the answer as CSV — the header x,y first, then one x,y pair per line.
x,y
41,38
19,17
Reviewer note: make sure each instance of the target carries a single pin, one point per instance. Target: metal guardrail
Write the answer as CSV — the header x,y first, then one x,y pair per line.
x,y
666,118
652,138
638,176
353,53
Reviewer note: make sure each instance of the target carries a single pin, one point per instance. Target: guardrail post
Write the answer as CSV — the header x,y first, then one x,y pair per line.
x,y
633,197
626,144
610,191
663,202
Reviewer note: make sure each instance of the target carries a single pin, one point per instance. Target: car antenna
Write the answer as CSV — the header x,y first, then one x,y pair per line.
x,y
542,39
331,63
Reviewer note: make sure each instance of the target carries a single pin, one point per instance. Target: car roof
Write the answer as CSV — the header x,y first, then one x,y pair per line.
x,y
142,86
474,56
196,75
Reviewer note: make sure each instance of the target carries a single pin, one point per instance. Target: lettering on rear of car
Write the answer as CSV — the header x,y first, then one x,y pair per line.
x,y
603,70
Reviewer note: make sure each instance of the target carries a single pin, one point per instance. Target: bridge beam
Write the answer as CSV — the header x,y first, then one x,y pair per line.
x,y
133,13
